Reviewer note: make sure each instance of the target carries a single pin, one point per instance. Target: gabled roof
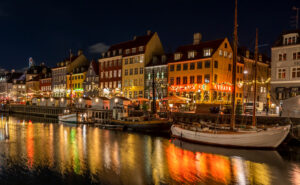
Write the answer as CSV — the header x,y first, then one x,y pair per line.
x,y
95,66
199,48
135,43
158,60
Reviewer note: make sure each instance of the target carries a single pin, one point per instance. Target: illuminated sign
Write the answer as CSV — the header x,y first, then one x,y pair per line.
x,y
219,87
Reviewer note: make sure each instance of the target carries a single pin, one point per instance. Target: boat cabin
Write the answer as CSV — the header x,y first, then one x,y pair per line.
x,y
100,103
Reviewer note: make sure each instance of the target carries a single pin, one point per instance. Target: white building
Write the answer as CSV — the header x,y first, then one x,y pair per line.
x,y
285,66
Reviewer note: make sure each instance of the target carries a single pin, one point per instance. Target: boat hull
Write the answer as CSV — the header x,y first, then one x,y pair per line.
x,y
146,126
267,139
68,118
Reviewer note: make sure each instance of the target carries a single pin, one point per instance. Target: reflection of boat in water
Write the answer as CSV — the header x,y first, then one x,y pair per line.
x,y
271,158
139,124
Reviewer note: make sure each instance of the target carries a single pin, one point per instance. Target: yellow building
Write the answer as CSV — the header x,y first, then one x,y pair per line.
x,y
75,82
136,54
202,71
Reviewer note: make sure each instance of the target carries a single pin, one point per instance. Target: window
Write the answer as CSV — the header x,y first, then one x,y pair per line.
x,y
184,80
172,81
281,74
177,56
216,78
225,53
199,65
225,45
127,51
141,48
206,52
120,73
192,66
229,67
220,52
136,71
298,55
171,67
131,72
126,61
237,69
119,62
185,67
115,73
141,70
207,78
294,56
133,50
199,79
216,64
284,57
296,72
178,67
192,79
207,64
280,57
191,54
131,61
177,80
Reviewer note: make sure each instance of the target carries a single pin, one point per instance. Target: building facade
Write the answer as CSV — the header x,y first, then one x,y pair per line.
x,y
202,72
6,85
46,84
75,81
59,73
285,70
263,77
91,83
110,72
157,69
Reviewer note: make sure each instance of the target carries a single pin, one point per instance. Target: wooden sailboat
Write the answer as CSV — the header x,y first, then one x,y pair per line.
x,y
252,138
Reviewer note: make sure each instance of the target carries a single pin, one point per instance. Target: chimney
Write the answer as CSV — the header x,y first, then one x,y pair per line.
x,y
197,38
134,37
148,32
80,52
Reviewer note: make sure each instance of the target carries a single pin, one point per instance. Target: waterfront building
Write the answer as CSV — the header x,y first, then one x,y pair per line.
x,y
91,83
135,55
33,75
6,84
159,67
202,71
263,77
285,70
59,73
19,89
75,80
110,71
46,84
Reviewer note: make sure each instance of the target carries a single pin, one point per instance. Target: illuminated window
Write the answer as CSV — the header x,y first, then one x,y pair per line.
x,y
141,48
207,78
191,54
141,70
177,56
281,73
206,52
133,50
127,51
220,52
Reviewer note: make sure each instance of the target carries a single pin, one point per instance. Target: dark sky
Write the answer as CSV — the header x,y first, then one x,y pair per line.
x,y
47,29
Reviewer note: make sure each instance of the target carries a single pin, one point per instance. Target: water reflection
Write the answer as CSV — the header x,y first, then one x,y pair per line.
x,y
90,154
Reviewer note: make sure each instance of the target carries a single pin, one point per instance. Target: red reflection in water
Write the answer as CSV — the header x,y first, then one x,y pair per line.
x,y
30,145
187,166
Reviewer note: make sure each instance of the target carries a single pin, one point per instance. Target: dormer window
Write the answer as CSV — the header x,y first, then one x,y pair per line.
x,y
177,56
127,51
108,54
141,48
290,38
207,52
220,52
191,54
133,50
120,51
114,52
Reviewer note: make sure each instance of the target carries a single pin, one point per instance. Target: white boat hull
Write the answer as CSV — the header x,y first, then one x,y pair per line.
x,y
270,138
68,118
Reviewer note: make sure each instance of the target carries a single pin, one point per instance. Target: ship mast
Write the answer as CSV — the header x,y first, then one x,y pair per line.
x,y
232,122
71,85
255,78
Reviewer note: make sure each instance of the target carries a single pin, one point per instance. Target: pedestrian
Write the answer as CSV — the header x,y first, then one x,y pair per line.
x,y
267,110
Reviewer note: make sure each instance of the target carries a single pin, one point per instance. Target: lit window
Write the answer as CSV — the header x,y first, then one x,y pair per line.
x,y
281,73
133,50
177,56
141,48
206,52
220,52
127,51
191,54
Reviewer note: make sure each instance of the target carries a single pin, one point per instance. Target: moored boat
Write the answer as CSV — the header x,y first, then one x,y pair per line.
x,y
139,124
257,138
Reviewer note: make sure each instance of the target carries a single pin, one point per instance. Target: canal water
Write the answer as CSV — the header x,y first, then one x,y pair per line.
x,y
45,153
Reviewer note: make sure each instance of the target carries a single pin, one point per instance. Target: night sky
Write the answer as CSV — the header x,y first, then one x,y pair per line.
x,y
46,30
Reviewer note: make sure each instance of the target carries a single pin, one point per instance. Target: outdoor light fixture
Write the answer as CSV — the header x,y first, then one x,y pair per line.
x,y
116,100
51,99
97,100
245,72
61,99
80,100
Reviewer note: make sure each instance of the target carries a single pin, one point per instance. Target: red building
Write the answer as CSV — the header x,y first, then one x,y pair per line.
x,y
46,85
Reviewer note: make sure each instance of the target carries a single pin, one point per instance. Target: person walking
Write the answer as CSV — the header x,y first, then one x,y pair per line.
x,y
280,111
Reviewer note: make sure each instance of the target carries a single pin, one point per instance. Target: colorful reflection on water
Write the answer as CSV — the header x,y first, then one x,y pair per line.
x,y
92,155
